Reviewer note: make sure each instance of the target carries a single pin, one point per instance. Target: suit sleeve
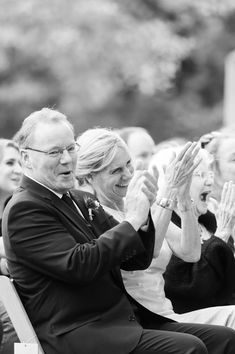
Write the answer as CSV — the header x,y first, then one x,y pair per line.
x,y
142,260
38,239
134,260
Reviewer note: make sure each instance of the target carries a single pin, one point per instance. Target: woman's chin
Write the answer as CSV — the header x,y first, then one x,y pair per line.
x,y
201,211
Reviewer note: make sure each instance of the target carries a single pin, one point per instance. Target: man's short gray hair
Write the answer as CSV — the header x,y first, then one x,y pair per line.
x,y
46,115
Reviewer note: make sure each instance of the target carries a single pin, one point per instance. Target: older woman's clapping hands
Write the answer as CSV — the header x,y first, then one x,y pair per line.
x,y
175,177
182,166
176,167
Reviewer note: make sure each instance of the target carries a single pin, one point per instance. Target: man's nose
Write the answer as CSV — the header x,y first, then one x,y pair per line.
x,y
65,157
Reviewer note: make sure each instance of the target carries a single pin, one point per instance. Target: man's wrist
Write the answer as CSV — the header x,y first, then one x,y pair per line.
x,y
145,226
135,223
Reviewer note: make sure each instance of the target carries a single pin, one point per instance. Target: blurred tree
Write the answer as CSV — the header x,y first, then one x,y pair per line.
x,y
156,63
193,105
77,55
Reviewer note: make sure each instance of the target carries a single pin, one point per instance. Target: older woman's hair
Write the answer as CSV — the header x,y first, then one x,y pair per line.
x,y
24,136
4,143
97,150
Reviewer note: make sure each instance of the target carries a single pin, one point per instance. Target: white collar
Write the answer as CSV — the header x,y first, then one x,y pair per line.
x,y
56,193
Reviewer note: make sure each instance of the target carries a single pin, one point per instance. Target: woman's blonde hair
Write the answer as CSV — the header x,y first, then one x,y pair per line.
x,y
4,143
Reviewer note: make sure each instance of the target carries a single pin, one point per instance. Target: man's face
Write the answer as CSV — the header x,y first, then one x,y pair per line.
x,y
56,173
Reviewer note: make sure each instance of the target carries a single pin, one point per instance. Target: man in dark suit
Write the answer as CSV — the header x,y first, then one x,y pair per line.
x,y
66,267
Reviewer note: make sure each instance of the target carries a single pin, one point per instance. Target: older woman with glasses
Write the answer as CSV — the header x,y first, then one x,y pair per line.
x,y
210,281
221,144
108,178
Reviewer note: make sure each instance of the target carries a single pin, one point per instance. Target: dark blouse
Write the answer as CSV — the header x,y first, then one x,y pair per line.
x,y
208,282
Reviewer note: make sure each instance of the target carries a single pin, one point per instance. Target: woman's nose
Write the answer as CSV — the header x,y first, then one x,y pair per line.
x,y
128,173
209,179
18,168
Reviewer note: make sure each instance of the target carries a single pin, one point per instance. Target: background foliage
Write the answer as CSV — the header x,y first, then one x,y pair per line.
x,y
152,63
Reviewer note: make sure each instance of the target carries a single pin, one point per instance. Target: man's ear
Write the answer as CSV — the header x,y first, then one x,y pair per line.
x,y
25,158
89,178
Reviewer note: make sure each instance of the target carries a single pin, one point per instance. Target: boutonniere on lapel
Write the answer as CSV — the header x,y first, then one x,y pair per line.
x,y
92,206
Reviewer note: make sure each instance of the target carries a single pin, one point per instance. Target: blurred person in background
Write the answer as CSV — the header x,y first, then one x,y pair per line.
x,y
140,143
104,169
172,142
10,177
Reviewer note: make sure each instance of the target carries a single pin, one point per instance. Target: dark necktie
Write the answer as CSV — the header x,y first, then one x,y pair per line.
x,y
69,201
66,198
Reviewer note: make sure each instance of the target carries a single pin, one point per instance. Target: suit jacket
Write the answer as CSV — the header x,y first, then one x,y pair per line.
x,y
67,271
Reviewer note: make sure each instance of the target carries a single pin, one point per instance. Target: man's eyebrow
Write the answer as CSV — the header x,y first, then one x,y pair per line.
x,y
60,147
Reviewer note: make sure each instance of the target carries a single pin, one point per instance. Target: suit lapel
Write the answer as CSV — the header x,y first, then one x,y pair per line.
x,y
74,217
45,194
101,221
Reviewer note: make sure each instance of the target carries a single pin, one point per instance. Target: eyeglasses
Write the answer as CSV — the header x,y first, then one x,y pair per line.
x,y
58,152
203,174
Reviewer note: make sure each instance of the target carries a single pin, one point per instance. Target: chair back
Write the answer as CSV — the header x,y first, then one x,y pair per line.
x,y
17,313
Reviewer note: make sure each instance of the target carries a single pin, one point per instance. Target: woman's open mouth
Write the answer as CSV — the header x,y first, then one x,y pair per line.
x,y
204,196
